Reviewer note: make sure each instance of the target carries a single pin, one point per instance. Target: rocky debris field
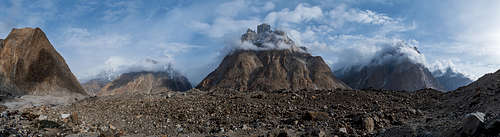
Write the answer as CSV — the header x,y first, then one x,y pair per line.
x,y
230,113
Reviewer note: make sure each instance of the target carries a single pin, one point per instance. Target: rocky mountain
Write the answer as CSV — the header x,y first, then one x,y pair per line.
x,y
450,79
392,68
29,64
145,82
274,62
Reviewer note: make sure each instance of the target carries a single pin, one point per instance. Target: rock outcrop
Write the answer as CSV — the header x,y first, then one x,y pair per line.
x,y
29,64
145,82
274,63
392,69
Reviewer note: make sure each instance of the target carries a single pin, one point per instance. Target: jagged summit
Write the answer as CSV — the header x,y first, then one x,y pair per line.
x,y
451,79
266,38
29,64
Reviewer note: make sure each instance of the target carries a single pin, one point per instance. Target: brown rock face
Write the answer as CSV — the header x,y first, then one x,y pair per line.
x,y
145,82
271,70
29,64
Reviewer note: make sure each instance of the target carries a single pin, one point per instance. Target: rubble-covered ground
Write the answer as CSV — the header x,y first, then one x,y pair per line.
x,y
233,113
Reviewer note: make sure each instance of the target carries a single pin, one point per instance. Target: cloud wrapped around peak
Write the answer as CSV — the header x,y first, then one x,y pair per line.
x,y
397,53
265,39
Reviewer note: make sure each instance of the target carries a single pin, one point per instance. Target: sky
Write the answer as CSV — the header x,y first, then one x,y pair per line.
x,y
96,36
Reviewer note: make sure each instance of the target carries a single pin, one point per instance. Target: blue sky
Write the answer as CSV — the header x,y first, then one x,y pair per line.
x,y
194,35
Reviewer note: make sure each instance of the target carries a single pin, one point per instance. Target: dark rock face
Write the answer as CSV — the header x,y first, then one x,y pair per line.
x,y
279,65
145,81
451,80
405,76
263,28
391,69
29,64
481,95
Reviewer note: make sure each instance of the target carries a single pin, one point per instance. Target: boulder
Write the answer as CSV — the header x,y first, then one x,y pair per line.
x,y
368,124
343,130
472,123
314,132
317,116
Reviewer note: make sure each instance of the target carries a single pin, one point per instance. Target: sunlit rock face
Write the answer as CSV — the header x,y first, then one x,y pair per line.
x,y
29,65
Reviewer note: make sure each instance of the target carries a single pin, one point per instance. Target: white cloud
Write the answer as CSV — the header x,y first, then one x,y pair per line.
x,y
80,37
471,36
342,14
114,66
301,13
223,25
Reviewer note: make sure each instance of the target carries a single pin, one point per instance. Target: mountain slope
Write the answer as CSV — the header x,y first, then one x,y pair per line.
x,y
481,95
275,62
393,69
29,64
